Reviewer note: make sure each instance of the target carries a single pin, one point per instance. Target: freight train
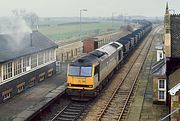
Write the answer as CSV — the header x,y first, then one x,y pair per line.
x,y
87,75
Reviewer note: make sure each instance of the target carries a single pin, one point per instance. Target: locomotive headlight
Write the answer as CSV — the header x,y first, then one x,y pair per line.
x,y
91,86
69,84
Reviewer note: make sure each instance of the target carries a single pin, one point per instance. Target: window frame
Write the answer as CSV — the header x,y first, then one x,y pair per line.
x,y
46,56
162,89
163,84
17,66
40,58
26,63
34,62
6,96
6,70
79,69
160,94
89,67
20,89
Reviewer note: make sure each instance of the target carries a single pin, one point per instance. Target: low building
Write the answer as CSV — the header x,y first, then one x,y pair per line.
x,y
24,62
166,72
159,82
69,51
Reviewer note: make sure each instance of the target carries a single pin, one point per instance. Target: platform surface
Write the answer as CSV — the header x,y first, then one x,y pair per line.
x,y
23,105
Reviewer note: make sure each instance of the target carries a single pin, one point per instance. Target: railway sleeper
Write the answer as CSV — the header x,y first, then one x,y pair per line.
x,y
78,105
71,113
68,116
73,110
75,107
63,119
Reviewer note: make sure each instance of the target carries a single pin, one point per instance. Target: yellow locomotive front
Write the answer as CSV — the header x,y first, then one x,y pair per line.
x,y
82,77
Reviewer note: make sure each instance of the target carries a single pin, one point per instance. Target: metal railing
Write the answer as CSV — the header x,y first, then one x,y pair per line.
x,y
162,119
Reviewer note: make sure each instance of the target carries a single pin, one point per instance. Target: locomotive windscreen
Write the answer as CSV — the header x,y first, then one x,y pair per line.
x,y
80,71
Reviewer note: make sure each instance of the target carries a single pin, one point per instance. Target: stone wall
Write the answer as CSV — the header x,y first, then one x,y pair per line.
x,y
175,103
28,80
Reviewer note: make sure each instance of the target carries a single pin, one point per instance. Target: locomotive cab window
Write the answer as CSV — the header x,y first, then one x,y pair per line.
x,y
80,71
74,70
86,71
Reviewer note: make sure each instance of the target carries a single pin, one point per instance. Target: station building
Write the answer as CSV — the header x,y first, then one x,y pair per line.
x,y
166,71
24,62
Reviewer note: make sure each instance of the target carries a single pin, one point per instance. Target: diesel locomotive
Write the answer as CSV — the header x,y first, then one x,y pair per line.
x,y
87,75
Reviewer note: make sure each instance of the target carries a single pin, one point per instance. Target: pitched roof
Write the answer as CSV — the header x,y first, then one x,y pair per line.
x,y
174,89
15,46
159,68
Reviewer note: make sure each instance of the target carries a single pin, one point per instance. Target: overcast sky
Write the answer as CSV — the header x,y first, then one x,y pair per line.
x,y
66,8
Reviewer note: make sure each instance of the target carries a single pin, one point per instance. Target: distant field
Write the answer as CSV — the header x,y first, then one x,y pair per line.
x,y
60,32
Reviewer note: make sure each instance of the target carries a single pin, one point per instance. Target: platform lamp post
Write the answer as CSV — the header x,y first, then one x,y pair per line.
x,y
80,22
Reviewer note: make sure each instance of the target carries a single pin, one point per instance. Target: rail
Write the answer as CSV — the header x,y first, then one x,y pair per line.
x,y
71,112
120,84
170,114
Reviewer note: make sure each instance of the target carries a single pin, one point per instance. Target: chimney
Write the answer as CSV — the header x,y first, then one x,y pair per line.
x,y
31,39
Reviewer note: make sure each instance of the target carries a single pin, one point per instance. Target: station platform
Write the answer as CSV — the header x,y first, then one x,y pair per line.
x,y
142,107
33,99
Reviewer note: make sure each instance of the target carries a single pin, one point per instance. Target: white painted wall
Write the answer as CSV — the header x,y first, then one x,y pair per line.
x,y
160,55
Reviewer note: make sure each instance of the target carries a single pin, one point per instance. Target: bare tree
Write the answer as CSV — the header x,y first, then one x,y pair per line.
x,y
33,18
30,18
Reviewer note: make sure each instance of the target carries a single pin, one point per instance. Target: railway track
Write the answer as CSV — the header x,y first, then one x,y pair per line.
x,y
71,112
111,105
115,101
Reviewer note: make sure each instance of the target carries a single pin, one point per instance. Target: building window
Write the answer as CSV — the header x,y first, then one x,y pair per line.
x,y
40,58
20,87
26,64
71,53
52,54
17,67
7,70
46,56
6,94
160,55
162,84
50,72
41,76
162,90
161,95
32,82
33,60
